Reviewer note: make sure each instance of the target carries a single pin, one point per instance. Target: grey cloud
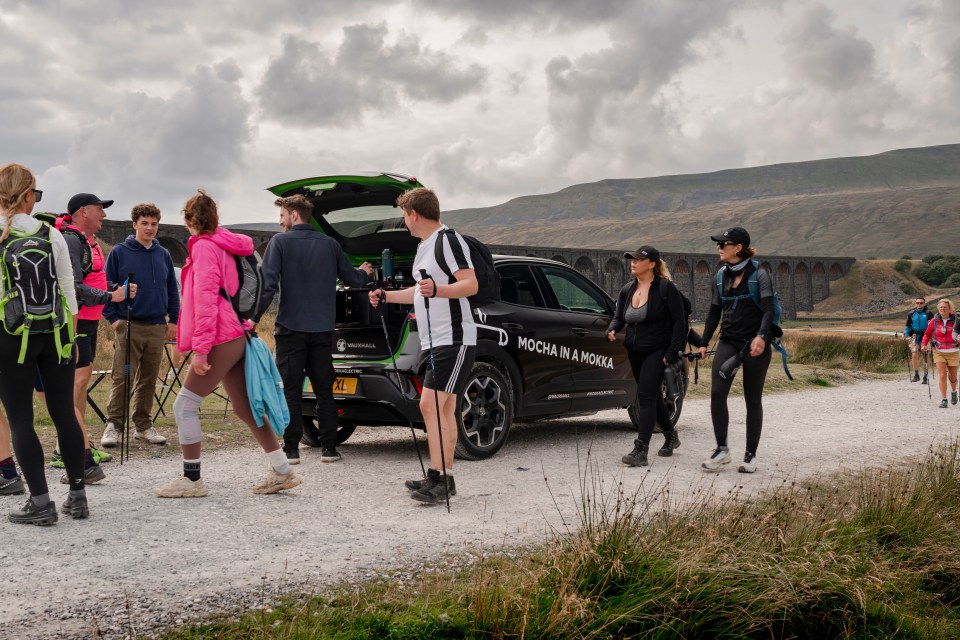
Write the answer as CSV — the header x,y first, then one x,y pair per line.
x,y
833,58
302,86
150,147
547,13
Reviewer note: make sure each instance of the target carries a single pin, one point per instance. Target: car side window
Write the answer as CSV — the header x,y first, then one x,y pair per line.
x,y
574,292
518,286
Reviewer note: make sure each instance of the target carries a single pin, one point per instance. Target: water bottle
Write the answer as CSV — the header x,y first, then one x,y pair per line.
x,y
670,378
386,264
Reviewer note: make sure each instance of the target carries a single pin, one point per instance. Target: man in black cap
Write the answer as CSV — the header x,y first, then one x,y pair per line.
x,y
93,291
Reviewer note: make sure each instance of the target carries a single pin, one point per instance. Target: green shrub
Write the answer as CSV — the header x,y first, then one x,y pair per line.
x,y
952,281
906,257
909,288
931,274
931,259
902,265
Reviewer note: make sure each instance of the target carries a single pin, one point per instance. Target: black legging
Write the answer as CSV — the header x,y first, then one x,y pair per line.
x,y
16,393
754,372
648,371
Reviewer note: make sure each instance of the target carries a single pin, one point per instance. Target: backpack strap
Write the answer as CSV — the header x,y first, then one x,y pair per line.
x,y
723,298
438,254
753,283
777,343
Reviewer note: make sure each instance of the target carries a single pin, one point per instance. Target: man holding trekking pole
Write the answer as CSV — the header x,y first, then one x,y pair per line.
x,y
450,336
913,330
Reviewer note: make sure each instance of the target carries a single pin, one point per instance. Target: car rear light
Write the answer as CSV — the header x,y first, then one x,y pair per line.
x,y
340,412
411,316
417,384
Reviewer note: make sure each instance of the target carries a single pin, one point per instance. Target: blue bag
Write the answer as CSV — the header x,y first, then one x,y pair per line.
x,y
264,386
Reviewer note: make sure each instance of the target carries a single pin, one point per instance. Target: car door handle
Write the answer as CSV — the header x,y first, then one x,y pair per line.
x,y
580,331
512,326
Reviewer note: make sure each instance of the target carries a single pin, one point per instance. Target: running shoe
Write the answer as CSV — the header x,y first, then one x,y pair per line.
x,y
749,464
30,513
720,456
56,460
182,487
100,456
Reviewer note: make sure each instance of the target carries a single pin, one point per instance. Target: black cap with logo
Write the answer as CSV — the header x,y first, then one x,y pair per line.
x,y
646,252
736,235
83,199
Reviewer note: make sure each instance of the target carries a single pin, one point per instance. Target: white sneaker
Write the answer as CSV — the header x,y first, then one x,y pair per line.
x,y
182,487
151,435
749,464
110,436
720,456
275,482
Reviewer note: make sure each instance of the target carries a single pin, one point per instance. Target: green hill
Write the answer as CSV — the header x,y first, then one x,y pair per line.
x,y
886,205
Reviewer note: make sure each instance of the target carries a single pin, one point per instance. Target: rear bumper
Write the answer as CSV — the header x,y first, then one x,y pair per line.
x,y
377,401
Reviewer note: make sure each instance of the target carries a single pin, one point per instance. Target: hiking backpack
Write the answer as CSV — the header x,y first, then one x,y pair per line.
x,y
753,287
31,300
246,301
63,222
488,279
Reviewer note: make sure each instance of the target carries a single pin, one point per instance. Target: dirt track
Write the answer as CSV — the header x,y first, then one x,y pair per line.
x,y
140,562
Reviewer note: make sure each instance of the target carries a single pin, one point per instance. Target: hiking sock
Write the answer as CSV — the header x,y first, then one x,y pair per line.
x,y
278,460
88,460
916,373
8,469
41,500
191,469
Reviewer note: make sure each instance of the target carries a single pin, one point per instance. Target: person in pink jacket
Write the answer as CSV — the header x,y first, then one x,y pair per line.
x,y
941,334
210,328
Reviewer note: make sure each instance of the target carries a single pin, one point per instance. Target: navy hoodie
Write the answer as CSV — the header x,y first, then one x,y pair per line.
x,y
157,296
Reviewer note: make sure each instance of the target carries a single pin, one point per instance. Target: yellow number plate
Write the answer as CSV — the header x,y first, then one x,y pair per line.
x,y
345,386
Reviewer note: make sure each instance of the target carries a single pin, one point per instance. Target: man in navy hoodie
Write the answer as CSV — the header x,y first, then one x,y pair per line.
x,y
153,320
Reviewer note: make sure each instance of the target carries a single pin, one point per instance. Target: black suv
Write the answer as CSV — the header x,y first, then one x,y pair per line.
x,y
542,351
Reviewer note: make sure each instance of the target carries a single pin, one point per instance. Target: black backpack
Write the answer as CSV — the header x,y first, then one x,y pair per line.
x,y
488,280
246,302
63,222
687,305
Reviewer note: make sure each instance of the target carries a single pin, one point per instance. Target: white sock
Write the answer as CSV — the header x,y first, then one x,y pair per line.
x,y
278,460
449,472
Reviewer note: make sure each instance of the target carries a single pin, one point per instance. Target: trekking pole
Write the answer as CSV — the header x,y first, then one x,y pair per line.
x,y
926,356
386,337
436,396
125,437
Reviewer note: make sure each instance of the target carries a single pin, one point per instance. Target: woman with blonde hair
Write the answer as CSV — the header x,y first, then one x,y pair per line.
x,y
211,328
656,330
941,334
46,347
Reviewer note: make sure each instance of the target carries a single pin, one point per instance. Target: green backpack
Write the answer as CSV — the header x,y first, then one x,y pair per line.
x,y
31,300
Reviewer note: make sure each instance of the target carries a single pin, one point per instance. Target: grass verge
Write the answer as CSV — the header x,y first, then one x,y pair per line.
x,y
869,555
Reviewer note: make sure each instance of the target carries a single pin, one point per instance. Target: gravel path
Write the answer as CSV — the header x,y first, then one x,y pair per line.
x,y
141,563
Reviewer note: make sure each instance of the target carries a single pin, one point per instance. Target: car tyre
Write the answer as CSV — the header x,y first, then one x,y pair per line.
x,y
311,433
674,408
486,413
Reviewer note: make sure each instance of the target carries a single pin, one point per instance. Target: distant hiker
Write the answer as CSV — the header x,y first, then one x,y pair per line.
x,y
210,327
745,335
656,331
153,317
304,264
450,336
941,334
46,343
914,329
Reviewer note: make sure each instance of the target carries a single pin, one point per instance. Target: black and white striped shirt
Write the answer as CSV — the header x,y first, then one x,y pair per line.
x,y
451,319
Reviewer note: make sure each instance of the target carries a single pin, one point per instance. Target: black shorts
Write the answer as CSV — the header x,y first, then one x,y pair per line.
x,y
86,342
453,366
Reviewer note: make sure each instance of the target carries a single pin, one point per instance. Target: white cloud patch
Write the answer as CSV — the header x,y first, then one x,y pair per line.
x,y
304,87
837,59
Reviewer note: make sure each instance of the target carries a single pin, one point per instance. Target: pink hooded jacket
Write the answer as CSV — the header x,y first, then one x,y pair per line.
x,y
206,317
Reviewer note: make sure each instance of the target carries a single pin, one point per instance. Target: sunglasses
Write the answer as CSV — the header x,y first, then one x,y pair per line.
x,y
721,245
37,194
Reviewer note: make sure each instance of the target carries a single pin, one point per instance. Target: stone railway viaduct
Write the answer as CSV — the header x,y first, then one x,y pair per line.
x,y
801,281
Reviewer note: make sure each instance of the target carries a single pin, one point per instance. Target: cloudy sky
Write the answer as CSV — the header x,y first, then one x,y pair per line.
x,y
483,100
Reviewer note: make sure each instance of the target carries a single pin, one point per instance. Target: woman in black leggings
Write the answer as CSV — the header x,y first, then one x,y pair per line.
x,y
746,323
656,329
18,195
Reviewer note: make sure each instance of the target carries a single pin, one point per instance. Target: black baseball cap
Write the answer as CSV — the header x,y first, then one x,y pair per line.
x,y
646,252
736,235
83,199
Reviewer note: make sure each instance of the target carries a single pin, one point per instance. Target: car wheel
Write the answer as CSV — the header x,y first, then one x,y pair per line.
x,y
674,407
311,433
486,413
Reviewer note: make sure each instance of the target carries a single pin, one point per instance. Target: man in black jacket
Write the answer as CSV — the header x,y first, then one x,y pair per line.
x,y
306,263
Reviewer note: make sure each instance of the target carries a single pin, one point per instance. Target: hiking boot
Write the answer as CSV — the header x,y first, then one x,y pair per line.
x,y
11,486
671,442
182,487
749,464
151,435
924,381
329,454
943,403
100,456
720,456
915,378
91,475
637,457
110,436
30,513
432,490
953,397
416,485
293,454
56,460
76,508
275,482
